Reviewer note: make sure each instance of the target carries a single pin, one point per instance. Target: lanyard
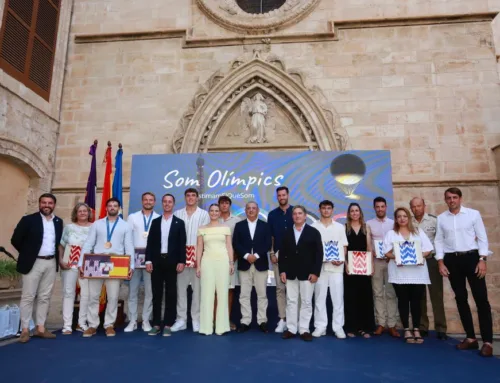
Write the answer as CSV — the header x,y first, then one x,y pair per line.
x,y
110,234
146,224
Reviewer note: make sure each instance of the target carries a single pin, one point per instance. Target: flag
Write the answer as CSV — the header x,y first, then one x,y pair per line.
x,y
106,190
117,180
92,181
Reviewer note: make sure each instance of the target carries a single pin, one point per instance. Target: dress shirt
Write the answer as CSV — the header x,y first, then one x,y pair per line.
x,y
121,241
333,232
428,225
136,223
199,218
460,232
165,231
279,221
252,225
49,237
297,232
379,228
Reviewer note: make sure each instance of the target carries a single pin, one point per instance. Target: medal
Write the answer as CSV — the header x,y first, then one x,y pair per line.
x,y
109,233
145,234
146,224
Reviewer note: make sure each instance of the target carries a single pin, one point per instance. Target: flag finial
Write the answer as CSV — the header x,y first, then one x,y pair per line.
x,y
95,142
109,143
120,146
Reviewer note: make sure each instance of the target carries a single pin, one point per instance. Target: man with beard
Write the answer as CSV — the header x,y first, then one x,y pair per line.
x,y
36,238
140,223
280,220
109,235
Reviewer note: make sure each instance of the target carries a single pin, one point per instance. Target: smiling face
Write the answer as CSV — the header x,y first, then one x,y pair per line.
x,y
299,217
454,201
252,211
82,214
282,197
380,209
148,202
402,218
354,213
214,213
168,204
46,206
191,199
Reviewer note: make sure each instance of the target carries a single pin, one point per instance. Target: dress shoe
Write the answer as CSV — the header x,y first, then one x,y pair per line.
x,y
244,328
486,350
306,337
468,345
110,331
91,331
394,332
442,335
263,327
379,330
45,334
288,335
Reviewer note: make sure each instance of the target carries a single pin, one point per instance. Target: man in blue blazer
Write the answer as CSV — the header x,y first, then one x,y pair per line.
x,y
36,238
252,242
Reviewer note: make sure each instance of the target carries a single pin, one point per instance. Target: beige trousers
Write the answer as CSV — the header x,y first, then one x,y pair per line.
x,y
280,292
248,279
112,291
38,283
386,303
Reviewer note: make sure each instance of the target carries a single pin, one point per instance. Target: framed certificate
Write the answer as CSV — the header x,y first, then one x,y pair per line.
x,y
360,262
379,249
408,253
106,266
140,258
332,252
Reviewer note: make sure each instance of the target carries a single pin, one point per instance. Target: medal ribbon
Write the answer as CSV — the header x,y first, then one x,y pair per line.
x,y
146,225
110,234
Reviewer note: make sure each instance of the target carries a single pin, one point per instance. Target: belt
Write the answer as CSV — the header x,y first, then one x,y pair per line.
x,y
460,253
164,255
46,257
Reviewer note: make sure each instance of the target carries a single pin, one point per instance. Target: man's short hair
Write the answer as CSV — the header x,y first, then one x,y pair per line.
x,y
326,202
148,193
48,195
300,207
379,199
114,199
168,195
282,188
191,190
224,198
455,191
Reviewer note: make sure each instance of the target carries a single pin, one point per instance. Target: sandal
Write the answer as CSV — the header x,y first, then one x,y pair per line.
x,y
409,338
417,337
351,335
364,334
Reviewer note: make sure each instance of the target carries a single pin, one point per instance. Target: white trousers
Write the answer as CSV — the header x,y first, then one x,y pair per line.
x,y
38,283
133,294
69,278
334,281
248,279
298,292
112,291
184,279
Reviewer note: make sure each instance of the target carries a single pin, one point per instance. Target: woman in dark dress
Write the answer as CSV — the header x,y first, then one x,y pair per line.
x,y
358,294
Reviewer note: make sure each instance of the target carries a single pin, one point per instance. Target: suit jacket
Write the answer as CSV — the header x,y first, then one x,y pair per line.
x,y
176,241
28,238
243,244
304,258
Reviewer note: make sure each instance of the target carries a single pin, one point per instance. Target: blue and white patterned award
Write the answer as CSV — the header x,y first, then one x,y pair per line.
x,y
332,252
379,249
408,253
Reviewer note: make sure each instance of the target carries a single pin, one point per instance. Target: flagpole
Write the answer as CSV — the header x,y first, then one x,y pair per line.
x,y
106,190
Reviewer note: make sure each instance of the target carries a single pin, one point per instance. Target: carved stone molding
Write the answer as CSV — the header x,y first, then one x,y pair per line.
x,y
315,120
228,14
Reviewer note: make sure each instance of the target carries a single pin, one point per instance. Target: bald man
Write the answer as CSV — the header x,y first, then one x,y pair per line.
x,y
428,223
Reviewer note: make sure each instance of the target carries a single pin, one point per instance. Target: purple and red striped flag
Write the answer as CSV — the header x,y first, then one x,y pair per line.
x,y
90,194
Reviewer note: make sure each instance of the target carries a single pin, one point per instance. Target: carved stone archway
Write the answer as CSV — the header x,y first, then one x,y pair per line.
x,y
307,109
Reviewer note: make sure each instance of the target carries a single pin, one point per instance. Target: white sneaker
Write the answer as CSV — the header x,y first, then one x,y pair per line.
x,y
281,326
318,333
146,327
340,334
178,326
196,326
132,326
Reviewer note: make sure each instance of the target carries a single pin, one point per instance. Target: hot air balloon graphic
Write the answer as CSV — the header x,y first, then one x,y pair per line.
x,y
348,170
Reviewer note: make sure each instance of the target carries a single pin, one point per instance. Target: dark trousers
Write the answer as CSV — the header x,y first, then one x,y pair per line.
x,y
462,268
409,297
436,294
164,276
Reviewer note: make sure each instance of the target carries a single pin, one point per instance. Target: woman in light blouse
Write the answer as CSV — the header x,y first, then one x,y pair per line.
x,y
408,281
73,238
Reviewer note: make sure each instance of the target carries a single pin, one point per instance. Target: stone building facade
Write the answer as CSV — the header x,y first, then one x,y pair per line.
x,y
418,78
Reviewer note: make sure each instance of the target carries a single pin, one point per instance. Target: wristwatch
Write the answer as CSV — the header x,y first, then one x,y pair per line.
x,y
482,258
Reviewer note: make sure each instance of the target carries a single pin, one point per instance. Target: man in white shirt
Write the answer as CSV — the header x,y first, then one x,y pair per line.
x,y
462,250
335,243
110,235
230,220
193,217
140,223
386,304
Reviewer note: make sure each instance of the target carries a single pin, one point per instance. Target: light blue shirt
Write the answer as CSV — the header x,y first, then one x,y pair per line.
x,y
121,240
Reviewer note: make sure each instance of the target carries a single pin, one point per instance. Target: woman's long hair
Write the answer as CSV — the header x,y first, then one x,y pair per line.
x,y
361,218
411,228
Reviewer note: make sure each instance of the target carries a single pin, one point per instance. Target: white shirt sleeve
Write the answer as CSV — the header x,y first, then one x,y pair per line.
x,y
439,242
482,238
129,247
426,244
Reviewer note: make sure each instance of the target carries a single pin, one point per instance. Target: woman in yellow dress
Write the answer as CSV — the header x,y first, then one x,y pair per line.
x,y
214,264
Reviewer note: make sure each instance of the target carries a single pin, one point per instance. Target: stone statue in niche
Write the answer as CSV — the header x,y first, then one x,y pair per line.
x,y
255,111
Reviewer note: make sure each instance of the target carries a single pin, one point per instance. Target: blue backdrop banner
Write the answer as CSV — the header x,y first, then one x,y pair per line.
x,y
342,177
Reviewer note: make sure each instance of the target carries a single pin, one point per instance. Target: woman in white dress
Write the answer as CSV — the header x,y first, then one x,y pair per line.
x,y
409,281
73,238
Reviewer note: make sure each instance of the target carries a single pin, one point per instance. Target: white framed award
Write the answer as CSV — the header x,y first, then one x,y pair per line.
x,y
360,262
379,248
332,252
408,253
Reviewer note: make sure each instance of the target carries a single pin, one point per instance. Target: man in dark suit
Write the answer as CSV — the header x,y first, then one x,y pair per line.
x,y
252,242
165,258
300,261
36,238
